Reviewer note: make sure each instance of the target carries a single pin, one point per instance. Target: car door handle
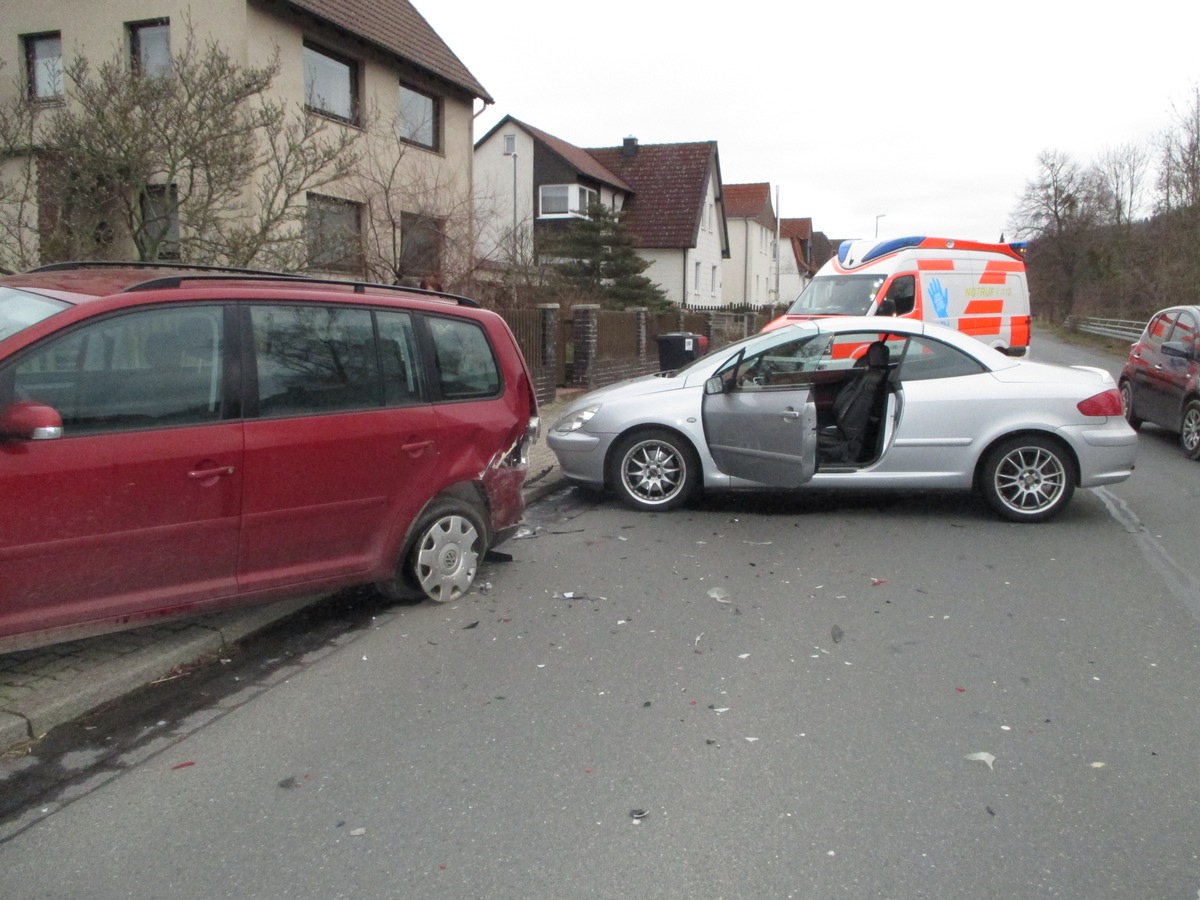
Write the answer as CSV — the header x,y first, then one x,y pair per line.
x,y
416,449
790,413
202,474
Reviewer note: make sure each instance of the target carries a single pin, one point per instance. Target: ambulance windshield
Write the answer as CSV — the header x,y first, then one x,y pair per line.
x,y
838,295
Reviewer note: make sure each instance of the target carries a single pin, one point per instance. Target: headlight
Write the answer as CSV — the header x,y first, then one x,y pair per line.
x,y
576,420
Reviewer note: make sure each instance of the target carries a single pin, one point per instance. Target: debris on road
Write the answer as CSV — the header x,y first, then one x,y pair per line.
x,y
981,756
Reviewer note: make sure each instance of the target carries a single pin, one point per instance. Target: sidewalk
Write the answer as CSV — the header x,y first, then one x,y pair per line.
x,y
50,685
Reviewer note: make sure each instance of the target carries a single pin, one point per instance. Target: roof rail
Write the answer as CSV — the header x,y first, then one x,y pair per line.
x,y
191,272
141,264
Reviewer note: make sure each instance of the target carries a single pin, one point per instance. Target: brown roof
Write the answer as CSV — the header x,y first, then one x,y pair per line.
x,y
746,201
669,183
396,27
797,228
582,161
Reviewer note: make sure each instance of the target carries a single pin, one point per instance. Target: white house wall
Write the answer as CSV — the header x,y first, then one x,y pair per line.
x,y
495,196
749,274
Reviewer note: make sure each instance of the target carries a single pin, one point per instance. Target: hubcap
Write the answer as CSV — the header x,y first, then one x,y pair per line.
x,y
653,472
447,558
1030,479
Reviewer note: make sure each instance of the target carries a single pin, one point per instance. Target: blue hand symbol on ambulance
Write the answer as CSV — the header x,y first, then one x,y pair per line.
x,y
940,298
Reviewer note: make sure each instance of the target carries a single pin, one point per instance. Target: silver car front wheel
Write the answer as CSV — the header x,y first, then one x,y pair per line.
x,y
654,469
1028,478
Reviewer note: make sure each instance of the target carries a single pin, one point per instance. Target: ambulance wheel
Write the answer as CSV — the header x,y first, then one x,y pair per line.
x,y
1028,478
1189,429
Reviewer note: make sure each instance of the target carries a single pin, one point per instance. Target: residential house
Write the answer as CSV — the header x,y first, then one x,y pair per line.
x,y
375,69
795,257
750,269
670,195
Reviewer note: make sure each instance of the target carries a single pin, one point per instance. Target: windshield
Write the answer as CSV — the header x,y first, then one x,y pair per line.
x,y
750,345
838,295
19,310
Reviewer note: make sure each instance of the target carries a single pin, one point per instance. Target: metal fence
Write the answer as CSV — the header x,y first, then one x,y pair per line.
x,y
1124,329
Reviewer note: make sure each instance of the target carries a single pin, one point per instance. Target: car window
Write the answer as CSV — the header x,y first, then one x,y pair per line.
x,y
1185,329
403,375
138,370
925,358
463,358
783,365
315,359
19,310
1159,328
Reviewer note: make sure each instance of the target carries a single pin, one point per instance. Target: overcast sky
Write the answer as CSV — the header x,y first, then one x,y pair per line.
x,y
930,114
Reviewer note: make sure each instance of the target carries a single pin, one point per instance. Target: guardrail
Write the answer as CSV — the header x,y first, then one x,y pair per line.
x,y
1125,329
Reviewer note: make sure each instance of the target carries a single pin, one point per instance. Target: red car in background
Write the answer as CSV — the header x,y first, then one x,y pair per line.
x,y
1160,382
175,441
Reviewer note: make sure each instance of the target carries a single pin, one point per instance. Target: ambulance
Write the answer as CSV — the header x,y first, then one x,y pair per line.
x,y
977,288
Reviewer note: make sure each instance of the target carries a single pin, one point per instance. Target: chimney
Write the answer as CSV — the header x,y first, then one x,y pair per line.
x,y
630,147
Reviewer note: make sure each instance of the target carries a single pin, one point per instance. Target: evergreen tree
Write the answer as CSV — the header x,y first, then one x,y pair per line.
x,y
595,256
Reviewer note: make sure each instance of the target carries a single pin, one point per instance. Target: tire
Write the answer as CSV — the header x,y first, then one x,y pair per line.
x,y
654,470
450,541
1028,478
1127,405
1189,429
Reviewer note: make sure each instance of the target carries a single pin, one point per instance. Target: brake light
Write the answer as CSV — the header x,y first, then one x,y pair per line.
x,y
1107,403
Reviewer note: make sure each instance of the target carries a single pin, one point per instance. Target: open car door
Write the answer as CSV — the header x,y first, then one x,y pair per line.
x,y
760,421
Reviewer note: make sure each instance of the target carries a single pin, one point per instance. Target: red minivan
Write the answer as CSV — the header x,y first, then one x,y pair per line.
x,y
176,440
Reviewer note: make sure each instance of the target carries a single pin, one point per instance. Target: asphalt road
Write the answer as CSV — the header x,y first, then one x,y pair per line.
x,y
829,695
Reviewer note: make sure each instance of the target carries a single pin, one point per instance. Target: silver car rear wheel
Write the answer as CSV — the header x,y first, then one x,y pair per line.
x,y
1028,478
654,470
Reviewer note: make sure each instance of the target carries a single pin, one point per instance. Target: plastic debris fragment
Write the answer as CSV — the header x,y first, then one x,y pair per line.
x,y
358,832
638,814
876,582
474,624
981,756
571,595
751,739
719,594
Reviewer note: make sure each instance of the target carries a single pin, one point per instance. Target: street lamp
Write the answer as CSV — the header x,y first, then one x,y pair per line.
x,y
877,218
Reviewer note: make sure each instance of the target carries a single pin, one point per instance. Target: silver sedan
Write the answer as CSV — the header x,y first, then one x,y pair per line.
x,y
853,402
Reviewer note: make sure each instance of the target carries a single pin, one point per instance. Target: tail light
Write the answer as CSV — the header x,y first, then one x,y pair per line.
x,y
1107,403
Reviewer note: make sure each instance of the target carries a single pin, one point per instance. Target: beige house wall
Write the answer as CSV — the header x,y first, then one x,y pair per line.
x,y
252,33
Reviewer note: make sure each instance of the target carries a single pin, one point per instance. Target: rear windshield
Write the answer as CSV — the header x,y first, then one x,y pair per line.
x,y
838,295
19,310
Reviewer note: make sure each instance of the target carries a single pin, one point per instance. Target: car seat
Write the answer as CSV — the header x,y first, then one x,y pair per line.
x,y
857,410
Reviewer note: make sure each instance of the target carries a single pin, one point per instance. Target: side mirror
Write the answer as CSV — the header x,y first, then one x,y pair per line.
x,y
25,421
887,307
714,385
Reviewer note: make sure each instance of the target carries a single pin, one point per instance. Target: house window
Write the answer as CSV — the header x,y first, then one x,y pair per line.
x,y
334,231
510,144
150,48
555,199
43,66
420,245
330,84
714,281
420,118
696,283
160,220
566,199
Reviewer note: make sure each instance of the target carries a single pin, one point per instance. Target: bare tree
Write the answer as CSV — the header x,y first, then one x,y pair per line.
x,y
18,184
1122,175
1179,158
420,221
1059,209
199,165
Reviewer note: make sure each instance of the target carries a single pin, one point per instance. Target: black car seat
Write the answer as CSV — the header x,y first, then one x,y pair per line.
x,y
857,410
